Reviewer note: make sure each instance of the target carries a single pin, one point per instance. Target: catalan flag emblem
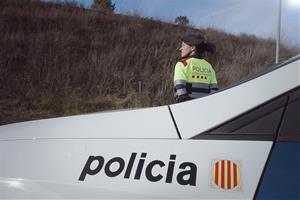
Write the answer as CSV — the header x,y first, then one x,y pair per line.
x,y
226,174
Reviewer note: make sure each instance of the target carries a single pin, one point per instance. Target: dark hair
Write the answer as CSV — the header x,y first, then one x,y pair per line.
x,y
205,47
200,43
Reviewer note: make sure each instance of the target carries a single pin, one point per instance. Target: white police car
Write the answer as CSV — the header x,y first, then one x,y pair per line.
x,y
239,143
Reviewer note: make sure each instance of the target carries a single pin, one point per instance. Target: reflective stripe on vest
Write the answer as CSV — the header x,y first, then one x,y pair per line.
x,y
182,88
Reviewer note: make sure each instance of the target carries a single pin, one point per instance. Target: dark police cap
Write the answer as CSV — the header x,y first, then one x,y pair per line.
x,y
192,39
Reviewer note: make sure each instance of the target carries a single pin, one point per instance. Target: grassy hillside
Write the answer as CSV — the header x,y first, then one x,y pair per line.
x,y
57,60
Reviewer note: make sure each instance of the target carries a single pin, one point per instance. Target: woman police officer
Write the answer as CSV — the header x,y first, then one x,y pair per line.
x,y
194,77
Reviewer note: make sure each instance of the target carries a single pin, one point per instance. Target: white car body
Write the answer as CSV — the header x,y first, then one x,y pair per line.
x,y
143,153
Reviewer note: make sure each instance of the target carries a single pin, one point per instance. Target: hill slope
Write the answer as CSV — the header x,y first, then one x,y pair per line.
x,y
57,60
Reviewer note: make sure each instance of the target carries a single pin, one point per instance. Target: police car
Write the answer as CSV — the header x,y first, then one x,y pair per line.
x,y
239,143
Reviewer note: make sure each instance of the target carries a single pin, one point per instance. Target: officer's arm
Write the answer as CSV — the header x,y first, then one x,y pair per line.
x,y
180,81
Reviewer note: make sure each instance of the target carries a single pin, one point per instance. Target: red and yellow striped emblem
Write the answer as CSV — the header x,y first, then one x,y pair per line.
x,y
226,174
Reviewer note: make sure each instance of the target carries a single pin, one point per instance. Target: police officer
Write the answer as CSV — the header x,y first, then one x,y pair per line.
x,y
194,77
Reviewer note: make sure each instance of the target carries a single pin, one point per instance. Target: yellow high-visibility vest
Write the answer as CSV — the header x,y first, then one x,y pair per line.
x,y
194,77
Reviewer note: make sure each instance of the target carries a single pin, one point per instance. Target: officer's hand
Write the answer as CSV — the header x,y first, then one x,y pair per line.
x,y
182,99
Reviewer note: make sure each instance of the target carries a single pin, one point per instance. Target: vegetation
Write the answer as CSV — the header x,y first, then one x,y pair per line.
x,y
182,20
104,5
58,60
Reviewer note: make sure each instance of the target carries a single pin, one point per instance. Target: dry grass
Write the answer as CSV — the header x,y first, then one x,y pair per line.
x,y
57,60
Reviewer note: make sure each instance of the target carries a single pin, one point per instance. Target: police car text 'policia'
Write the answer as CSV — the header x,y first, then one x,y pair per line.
x,y
184,174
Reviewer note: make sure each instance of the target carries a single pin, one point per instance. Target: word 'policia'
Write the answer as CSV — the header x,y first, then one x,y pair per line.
x,y
187,176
